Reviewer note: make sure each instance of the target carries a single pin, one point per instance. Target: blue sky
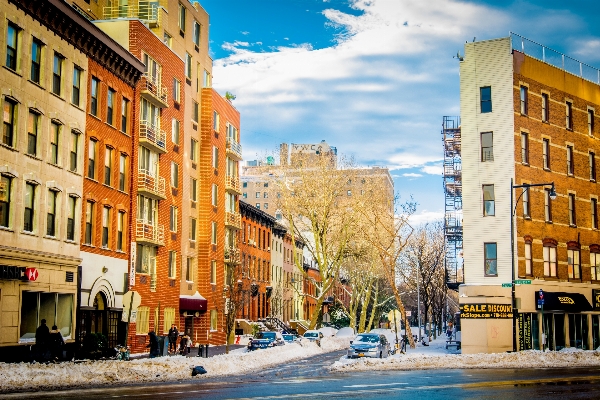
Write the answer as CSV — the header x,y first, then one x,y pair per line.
x,y
372,77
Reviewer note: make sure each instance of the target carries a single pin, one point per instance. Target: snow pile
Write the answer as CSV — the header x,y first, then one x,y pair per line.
x,y
523,359
28,377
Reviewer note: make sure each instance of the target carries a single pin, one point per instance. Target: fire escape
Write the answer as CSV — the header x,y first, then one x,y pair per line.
x,y
453,230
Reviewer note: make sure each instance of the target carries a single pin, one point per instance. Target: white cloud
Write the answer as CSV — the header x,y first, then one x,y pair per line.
x,y
433,169
411,175
425,216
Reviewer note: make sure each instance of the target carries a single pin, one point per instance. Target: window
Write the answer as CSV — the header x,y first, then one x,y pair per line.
x,y
213,235
213,272
73,153
174,175
258,195
173,219
485,94
57,70
524,148
594,213
349,193
120,229
545,108
94,97
188,66
76,91
33,124
592,162
266,206
245,195
5,188
143,320
108,156
258,205
105,225
595,266
189,271
176,90
51,213
55,308
572,216
569,115
215,160
193,229
591,122
207,79
215,195
528,259
12,43
487,146
181,21
124,114
488,200
266,195
147,210
216,121
110,106
89,221
547,205
122,172
195,111
10,119
526,205
29,207
172,264
196,34
36,60
92,159
145,259
194,150
549,261
491,262
546,153
524,100
54,137
71,203
169,319
193,189
175,131
213,320
574,264
570,166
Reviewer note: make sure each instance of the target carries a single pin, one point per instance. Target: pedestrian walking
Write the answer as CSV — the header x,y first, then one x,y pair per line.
x,y
42,336
56,343
183,344
173,335
153,345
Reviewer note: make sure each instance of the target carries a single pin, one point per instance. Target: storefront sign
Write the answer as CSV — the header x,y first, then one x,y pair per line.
x,y
31,274
12,272
486,311
132,266
525,331
596,299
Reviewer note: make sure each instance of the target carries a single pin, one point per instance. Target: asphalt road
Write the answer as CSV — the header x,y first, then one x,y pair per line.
x,y
309,379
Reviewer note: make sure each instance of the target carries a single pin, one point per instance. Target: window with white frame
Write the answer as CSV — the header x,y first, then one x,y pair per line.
x,y
595,265
71,215
55,129
173,219
106,219
174,174
215,195
213,320
215,157
213,236
172,264
9,122
89,222
574,266
29,207
196,34
549,261
175,130
33,127
528,259
216,121
488,200
193,229
193,189
51,213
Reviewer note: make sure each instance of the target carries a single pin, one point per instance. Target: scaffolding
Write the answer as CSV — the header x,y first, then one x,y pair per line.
x,y
453,212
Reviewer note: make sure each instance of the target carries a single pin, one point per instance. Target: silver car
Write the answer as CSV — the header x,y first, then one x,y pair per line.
x,y
369,345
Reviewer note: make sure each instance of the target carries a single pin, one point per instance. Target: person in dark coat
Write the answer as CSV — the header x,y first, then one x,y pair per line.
x,y
173,334
42,337
184,344
154,351
56,343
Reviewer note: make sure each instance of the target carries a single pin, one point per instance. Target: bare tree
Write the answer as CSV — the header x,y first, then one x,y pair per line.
x,y
235,292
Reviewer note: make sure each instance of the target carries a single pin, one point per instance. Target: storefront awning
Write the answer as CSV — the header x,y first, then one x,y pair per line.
x,y
564,301
192,303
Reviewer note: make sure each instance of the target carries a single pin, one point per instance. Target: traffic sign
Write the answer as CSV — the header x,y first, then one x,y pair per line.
x,y
522,281
506,284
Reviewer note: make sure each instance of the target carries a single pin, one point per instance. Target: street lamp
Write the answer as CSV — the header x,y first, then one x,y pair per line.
x,y
525,188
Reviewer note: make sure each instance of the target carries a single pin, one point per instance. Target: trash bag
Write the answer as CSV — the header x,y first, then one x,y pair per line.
x,y
198,370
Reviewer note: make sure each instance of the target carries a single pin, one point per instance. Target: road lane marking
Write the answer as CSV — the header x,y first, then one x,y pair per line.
x,y
376,385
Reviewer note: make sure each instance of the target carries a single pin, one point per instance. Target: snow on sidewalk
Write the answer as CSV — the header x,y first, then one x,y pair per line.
x,y
30,377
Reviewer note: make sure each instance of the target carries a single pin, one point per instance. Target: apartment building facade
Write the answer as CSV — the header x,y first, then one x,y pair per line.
x,y
529,120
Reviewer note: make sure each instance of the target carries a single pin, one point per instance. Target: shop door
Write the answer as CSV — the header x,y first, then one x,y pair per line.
x,y
578,331
548,325
189,326
559,332
595,331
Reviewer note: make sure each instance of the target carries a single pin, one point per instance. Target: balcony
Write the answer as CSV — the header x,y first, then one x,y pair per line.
x,y
232,184
153,137
144,10
151,186
234,149
153,90
233,220
146,233
232,255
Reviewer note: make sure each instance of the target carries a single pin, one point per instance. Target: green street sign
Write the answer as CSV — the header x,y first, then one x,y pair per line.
x,y
522,281
506,284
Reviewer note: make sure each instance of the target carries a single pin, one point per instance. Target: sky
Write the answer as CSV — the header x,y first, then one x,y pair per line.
x,y
373,78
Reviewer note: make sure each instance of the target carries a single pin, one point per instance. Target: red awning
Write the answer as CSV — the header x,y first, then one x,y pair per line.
x,y
192,303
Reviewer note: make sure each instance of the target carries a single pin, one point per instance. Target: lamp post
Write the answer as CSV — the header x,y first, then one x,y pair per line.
x,y
525,188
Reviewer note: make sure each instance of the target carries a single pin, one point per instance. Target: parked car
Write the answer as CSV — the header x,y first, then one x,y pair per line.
x,y
369,345
290,338
313,336
262,340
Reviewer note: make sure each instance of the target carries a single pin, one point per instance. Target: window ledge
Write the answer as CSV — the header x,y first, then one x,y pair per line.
x,y
6,229
74,172
107,185
91,179
121,191
120,252
94,116
70,241
55,165
548,222
9,147
525,164
572,226
546,169
29,233
527,217
88,245
57,96
105,248
12,70
77,106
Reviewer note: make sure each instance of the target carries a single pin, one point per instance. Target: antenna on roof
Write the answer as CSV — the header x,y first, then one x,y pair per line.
x,y
460,58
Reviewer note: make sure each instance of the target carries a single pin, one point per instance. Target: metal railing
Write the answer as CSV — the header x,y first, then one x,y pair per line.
x,y
152,184
153,134
554,58
233,219
144,231
144,10
234,147
232,183
155,87
232,255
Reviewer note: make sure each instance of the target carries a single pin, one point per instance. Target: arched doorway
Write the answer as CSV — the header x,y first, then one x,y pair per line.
x,y
100,318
